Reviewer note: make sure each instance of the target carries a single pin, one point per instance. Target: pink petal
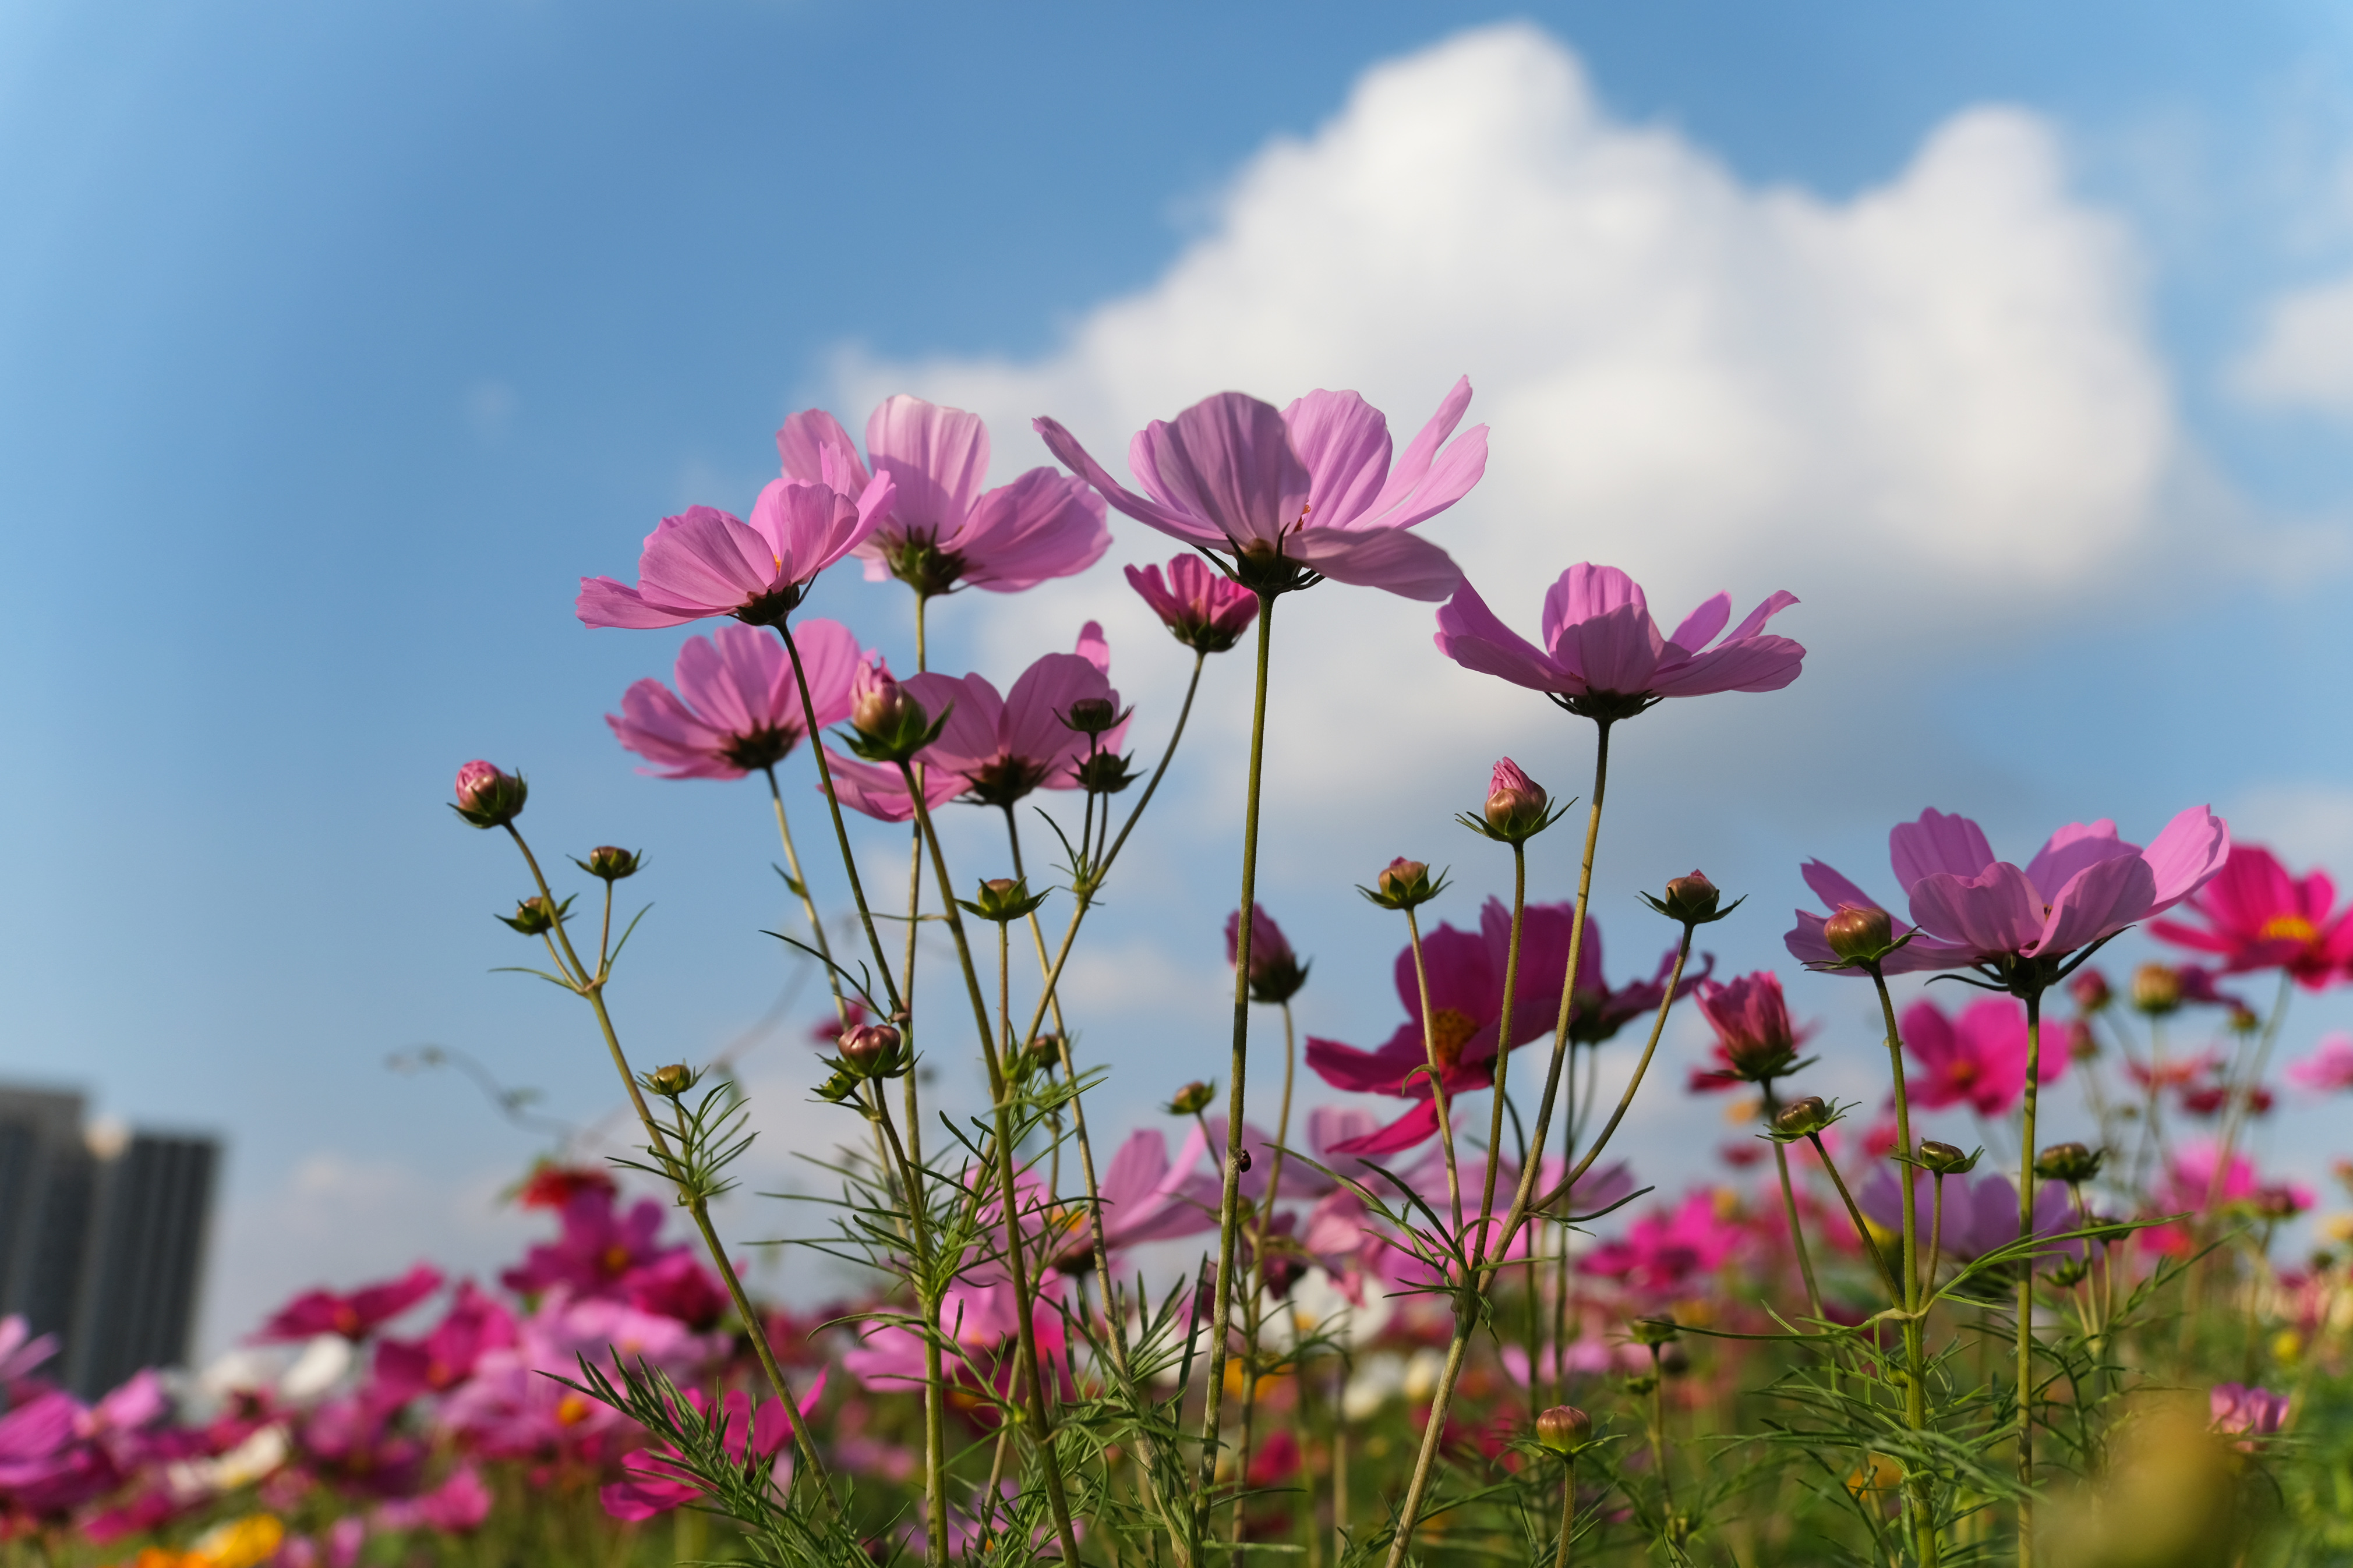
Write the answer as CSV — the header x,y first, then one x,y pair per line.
x,y
938,457
705,559
1427,481
2102,899
1938,843
1585,591
1416,1126
2185,855
2069,850
1470,634
815,449
1754,621
1344,442
1043,525
1996,912
1754,664
1032,725
1699,627
1617,650
1168,519
605,603
1228,461
973,735
1404,564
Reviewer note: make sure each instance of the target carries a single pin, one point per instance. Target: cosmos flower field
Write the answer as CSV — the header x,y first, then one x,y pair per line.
x,y
1429,1320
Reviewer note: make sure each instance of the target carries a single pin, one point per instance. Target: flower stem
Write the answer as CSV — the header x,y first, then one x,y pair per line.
x,y
1567,1509
1001,1094
1438,1071
1789,1207
1861,1230
1917,1486
1502,1066
808,901
1252,1304
2026,1282
840,828
1221,1305
935,1443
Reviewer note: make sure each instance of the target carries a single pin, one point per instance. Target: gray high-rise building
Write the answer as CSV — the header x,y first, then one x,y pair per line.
x,y
101,1236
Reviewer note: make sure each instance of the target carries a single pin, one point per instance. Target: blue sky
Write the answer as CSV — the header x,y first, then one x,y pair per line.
x,y
338,341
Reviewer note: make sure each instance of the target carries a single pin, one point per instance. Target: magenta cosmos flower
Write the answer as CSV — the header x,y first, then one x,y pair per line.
x,y
1201,609
2257,916
1604,658
1755,1040
994,749
942,532
1297,494
1978,1057
354,1315
737,707
1972,911
705,563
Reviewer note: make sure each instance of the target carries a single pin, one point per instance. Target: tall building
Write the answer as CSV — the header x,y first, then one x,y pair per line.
x,y
101,1236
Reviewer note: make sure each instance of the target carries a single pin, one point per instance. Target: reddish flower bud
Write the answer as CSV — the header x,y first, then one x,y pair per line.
x,y
1564,1428
880,706
611,863
1516,803
2157,989
1859,935
871,1050
1403,884
487,797
1275,973
2090,989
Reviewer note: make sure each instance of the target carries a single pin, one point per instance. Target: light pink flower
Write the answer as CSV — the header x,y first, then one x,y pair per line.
x,y
1310,487
1146,1197
1202,609
2085,885
2242,1408
2329,1066
1979,1057
941,531
705,563
1980,1212
737,707
1604,656
1001,748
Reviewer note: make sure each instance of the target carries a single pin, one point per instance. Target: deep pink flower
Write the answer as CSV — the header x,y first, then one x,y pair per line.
x,y
657,1479
2085,885
447,1356
48,1468
705,563
1753,1036
1201,608
941,531
515,1407
1604,656
1979,1057
1309,486
1663,1252
2241,1408
737,707
1146,1197
2329,1066
2257,916
551,1186
20,1350
597,1250
1597,1010
2189,1181
354,1315
1275,973
680,1286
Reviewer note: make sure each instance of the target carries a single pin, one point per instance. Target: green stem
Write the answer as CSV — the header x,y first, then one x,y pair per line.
x,y
1861,1230
935,1442
1041,1429
808,901
1567,1509
2026,1283
1789,1207
840,828
1504,1062
1438,1071
1221,1307
1917,1486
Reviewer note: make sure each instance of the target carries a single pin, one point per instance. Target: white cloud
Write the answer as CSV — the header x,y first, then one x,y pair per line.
x,y
2303,356
2304,823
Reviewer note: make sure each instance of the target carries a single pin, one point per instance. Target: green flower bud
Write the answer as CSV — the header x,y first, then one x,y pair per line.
x,y
1192,1099
2069,1163
1803,1118
1859,935
671,1082
1564,1428
1945,1159
534,915
611,864
1404,884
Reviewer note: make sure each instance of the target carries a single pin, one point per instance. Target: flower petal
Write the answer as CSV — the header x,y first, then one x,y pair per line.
x,y
938,457
1993,912
1938,843
1228,461
1405,564
1425,480
1470,634
2100,899
2069,850
2186,855
1344,442
1168,519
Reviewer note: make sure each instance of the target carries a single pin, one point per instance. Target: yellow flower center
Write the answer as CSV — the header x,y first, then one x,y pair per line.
x,y
2289,928
1450,1031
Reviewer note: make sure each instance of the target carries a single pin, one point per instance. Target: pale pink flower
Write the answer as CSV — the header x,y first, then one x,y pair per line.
x,y
1201,608
2329,1066
1604,656
705,563
943,531
2083,886
737,707
1303,489
2242,1408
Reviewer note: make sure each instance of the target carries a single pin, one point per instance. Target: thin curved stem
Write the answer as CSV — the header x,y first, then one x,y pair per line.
x,y
1504,1064
1438,1070
1917,1480
2026,1283
1789,1207
840,828
808,900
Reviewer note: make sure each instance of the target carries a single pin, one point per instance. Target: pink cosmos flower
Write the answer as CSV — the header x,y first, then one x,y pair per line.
x,y
655,1480
1603,654
1599,1010
20,1350
513,1408
1297,493
1661,1253
2329,1066
941,531
2257,916
47,1467
2083,886
1979,1057
705,563
458,1506
1753,1036
2241,1408
2190,1181
737,707
597,1250
1201,608
1980,1212
1146,1197
354,1315
447,1356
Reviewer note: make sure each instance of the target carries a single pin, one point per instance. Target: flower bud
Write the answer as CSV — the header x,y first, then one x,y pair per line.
x,y
2067,1273
1106,773
2243,1019
2156,989
880,707
1945,1159
611,864
1091,715
672,1080
487,797
1516,803
1192,1099
2090,989
1653,1331
1691,899
1276,974
1803,1117
2082,1046
1859,935
534,916
891,725
1564,1428
1403,884
1641,1385
871,1050
2069,1163
1001,900
2277,1202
